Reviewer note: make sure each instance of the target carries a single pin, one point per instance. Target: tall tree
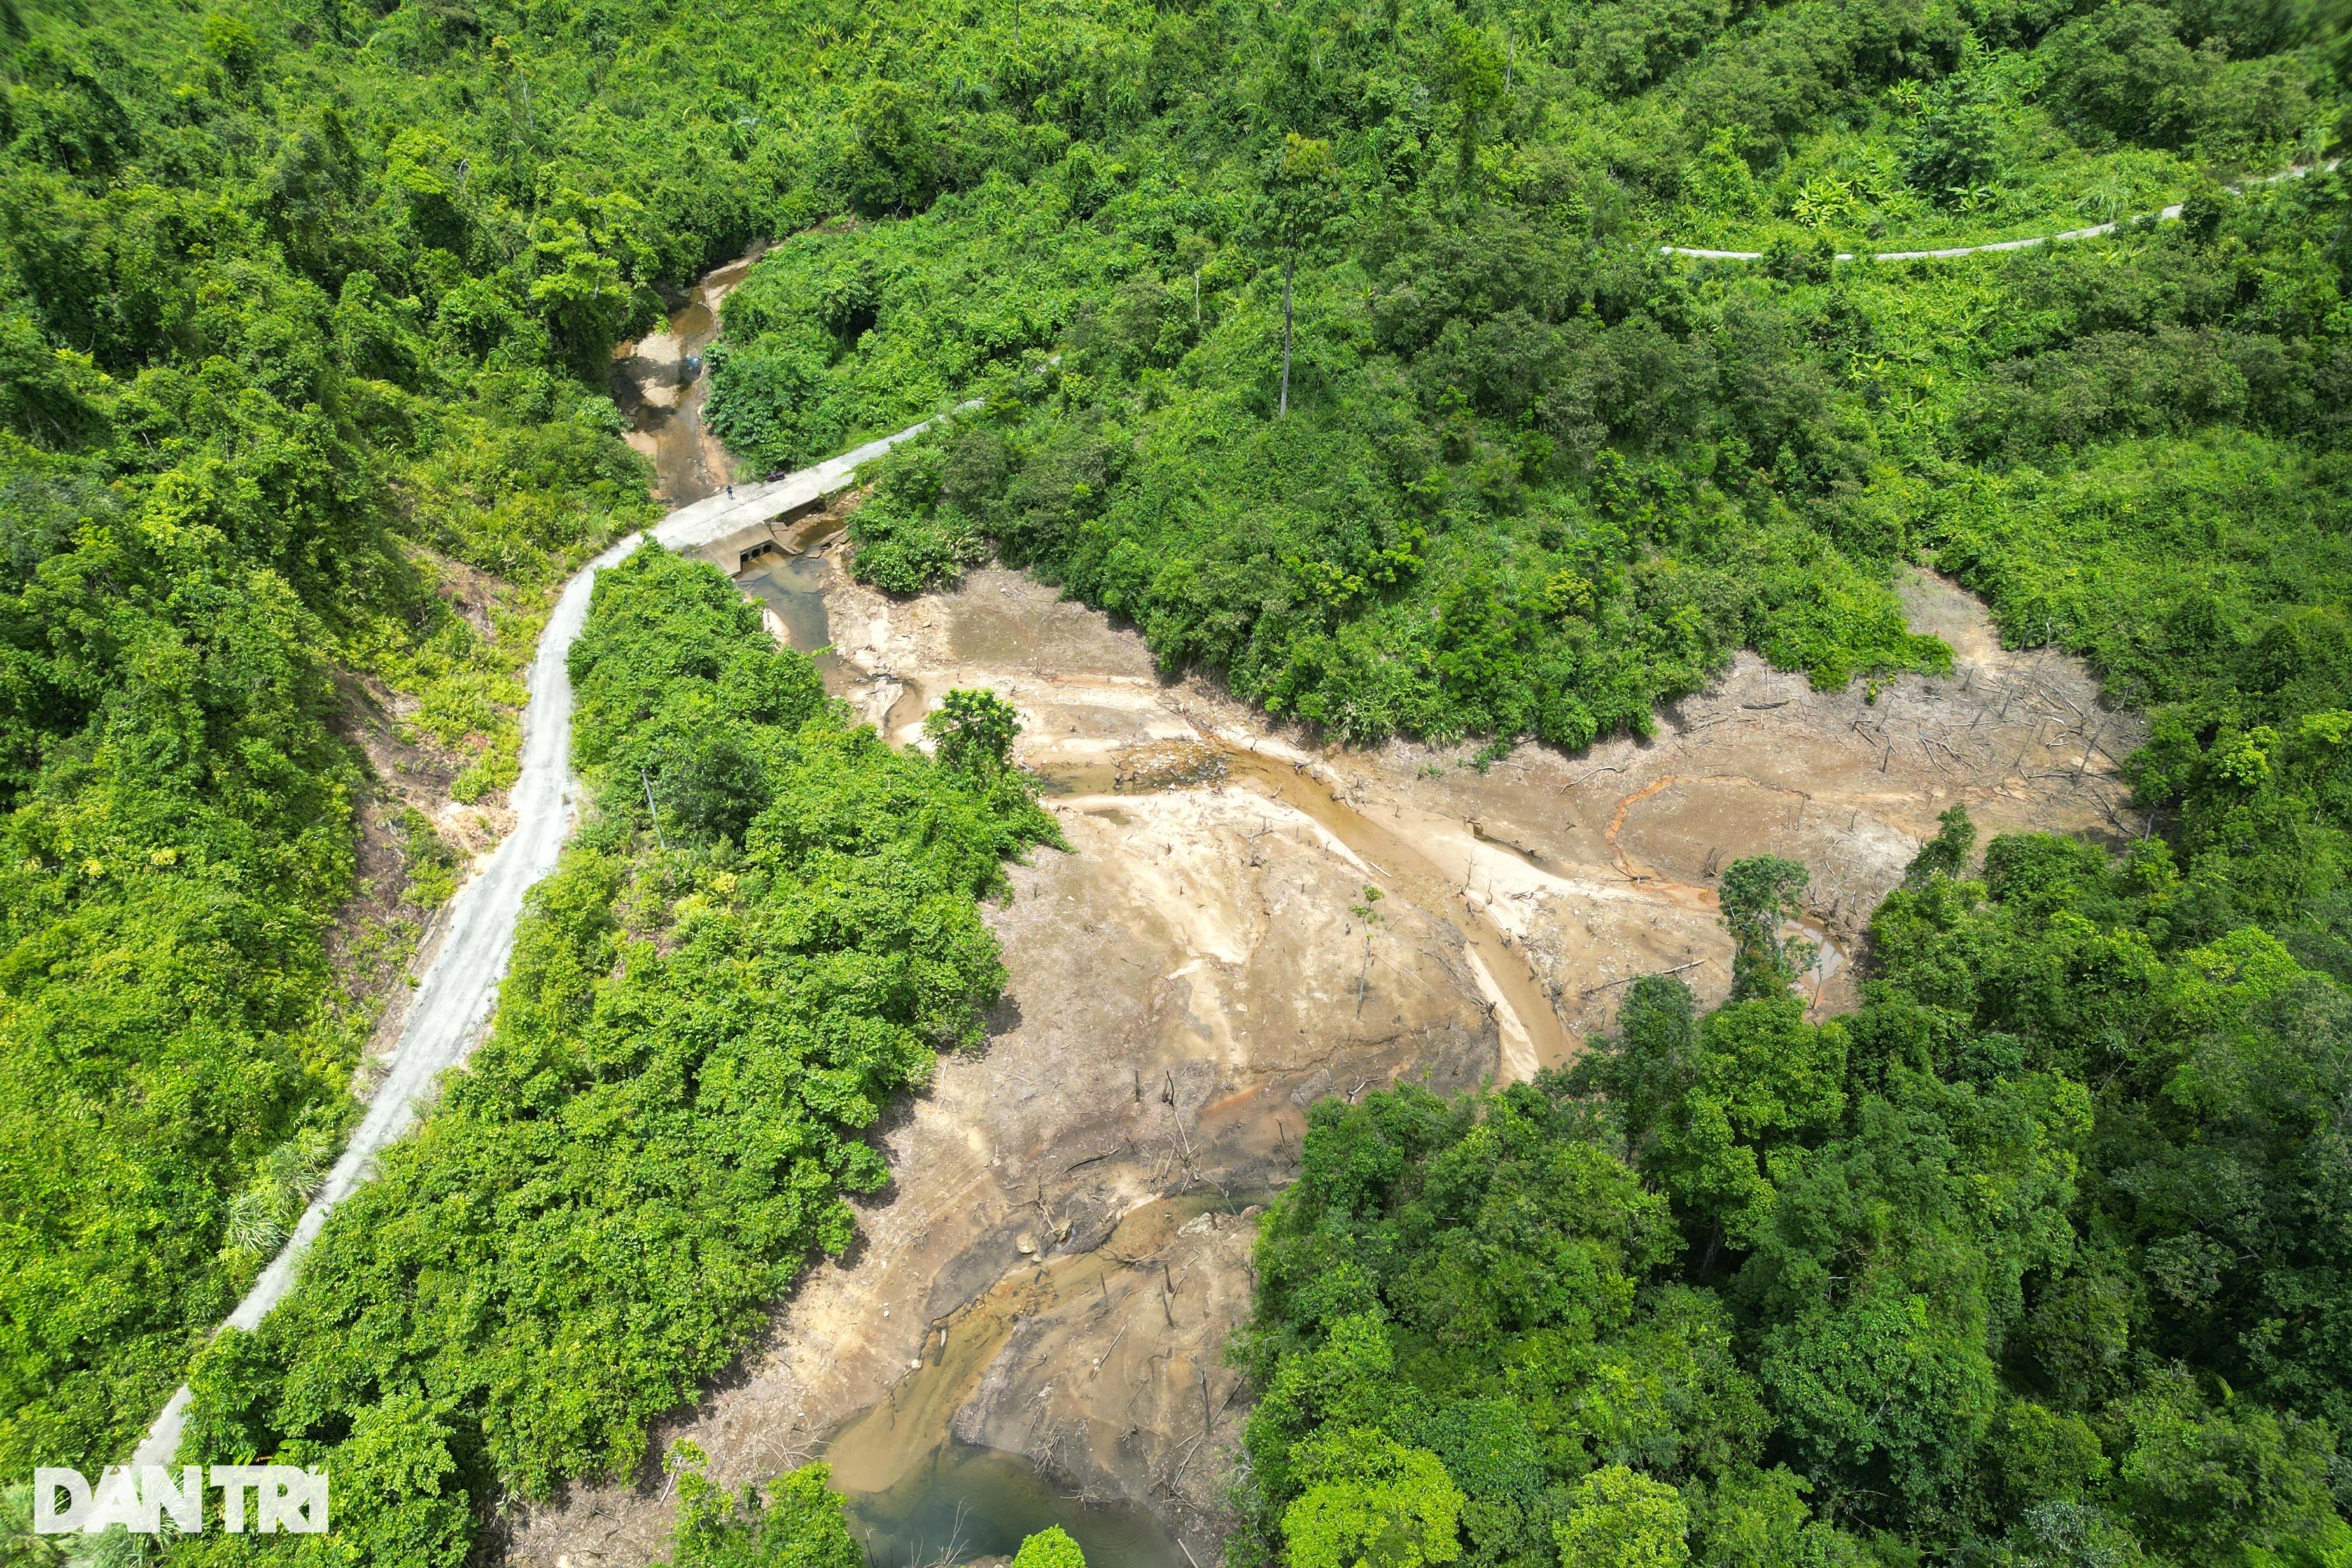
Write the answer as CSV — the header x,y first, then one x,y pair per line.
x,y
1760,895
1303,195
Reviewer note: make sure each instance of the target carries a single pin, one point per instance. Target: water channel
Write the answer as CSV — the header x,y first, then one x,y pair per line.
x,y
1197,934
917,1497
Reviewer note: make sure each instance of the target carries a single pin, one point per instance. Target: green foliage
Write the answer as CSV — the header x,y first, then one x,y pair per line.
x,y
1303,194
1760,895
2232,1485
304,313
974,732
1049,1548
2125,73
1367,1501
1533,483
1758,1518
1946,854
287,336
1537,481
1617,1518
659,1132
1955,152
793,1521
20,1545
1453,1301
2032,1259
431,862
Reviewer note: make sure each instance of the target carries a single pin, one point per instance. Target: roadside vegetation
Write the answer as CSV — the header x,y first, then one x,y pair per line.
x,y
1332,348
711,1000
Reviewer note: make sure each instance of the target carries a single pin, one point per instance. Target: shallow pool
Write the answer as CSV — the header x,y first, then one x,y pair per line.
x,y
793,586
963,1502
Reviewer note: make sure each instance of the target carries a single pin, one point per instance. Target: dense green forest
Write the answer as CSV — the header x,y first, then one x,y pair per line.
x,y
1535,477
704,1013
2038,1258
1333,348
270,383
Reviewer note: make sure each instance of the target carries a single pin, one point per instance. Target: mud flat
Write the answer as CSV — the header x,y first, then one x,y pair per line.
x,y
1035,1314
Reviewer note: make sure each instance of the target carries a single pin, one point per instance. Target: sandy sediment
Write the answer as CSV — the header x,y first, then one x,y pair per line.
x,y
659,386
1061,1257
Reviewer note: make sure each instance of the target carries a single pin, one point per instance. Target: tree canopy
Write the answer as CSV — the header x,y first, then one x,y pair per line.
x,y
2020,1263
1336,349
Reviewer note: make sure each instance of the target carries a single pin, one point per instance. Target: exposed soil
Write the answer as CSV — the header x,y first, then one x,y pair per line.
x,y
659,385
390,925
1063,1253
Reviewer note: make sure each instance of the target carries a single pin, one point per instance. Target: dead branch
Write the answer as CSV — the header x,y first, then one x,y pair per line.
x,y
1605,984
1095,1159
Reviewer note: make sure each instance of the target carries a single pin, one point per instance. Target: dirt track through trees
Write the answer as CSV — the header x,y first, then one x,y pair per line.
x,y
2066,236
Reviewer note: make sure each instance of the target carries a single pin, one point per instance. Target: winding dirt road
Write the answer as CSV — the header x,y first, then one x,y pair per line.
x,y
455,993
2094,231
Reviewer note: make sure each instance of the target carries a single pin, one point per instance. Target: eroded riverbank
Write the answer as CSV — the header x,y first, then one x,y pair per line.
x,y
1198,971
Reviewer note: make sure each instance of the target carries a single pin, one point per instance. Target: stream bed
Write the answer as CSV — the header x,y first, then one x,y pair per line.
x,y
795,588
1032,1328
966,1501
920,1494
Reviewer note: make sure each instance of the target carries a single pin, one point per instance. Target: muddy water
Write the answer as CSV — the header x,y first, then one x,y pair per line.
x,y
914,1489
966,1501
918,1494
793,587
659,384
1188,982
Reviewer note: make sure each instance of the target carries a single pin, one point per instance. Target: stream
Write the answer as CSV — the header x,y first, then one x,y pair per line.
x,y
966,1501
1031,1330
660,382
917,1495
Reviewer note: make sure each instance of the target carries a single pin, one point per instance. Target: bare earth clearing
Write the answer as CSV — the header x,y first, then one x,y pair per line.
x,y
1066,1246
